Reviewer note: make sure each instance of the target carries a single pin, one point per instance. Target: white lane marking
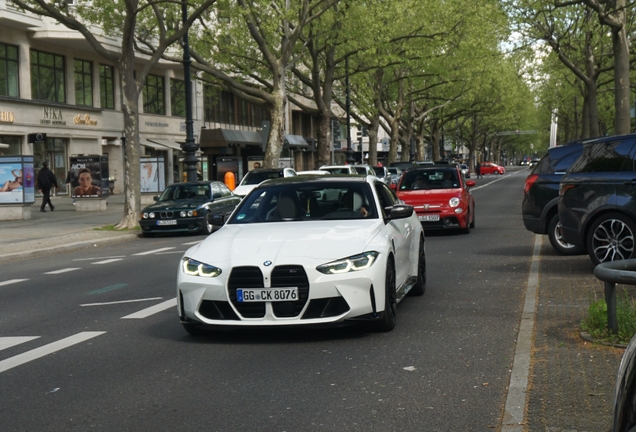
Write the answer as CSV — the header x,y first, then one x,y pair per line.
x,y
65,270
108,261
170,252
488,184
153,251
514,412
144,313
9,341
42,351
99,258
122,301
12,281
191,243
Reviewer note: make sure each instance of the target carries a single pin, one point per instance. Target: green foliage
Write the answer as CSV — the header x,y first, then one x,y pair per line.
x,y
596,322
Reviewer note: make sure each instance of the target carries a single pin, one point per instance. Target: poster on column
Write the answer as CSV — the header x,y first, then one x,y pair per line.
x,y
85,177
152,177
11,182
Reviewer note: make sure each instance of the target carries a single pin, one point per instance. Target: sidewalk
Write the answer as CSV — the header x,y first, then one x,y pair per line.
x,y
571,385
62,229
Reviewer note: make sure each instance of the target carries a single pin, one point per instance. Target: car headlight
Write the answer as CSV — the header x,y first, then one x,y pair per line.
x,y
453,202
151,215
196,268
144,215
353,263
182,214
192,213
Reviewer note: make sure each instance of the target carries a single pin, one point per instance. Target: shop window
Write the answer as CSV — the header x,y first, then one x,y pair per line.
x,y
154,95
53,151
47,77
177,97
83,83
9,70
14,148
107,86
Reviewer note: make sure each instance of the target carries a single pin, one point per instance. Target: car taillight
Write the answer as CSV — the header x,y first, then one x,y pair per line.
x,y
563,188
529,182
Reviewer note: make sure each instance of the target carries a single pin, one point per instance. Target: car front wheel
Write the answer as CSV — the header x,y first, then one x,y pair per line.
x,y
556,239
389,316
420,286
208,228
611,238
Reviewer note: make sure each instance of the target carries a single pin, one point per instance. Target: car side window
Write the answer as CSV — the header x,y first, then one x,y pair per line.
x,y
386,197
225,192
216,191
565,163
609,156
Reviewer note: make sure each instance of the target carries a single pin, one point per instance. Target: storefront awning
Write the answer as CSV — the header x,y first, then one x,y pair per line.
x,y
229,137
295,142
166,143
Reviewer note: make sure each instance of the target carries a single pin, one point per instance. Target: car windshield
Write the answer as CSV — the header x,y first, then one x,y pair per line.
x,y
379,171
307,202
441,178
360,169
257,177
341,170
200,192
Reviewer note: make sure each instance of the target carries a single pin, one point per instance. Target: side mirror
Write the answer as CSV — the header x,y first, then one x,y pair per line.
x,y
215,219
470,183
155,198
393,186
399,211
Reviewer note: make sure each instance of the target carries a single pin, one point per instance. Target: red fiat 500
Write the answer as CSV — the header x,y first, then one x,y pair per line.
x,y
491,168
440,196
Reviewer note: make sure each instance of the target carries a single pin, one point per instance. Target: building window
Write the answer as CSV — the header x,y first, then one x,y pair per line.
x,y
83,83
47,77
154,95
14,145
221,106
107,86
177,97
9,70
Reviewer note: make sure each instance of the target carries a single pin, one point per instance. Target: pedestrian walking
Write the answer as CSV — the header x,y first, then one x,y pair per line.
x,y
69,186
45,182
478,170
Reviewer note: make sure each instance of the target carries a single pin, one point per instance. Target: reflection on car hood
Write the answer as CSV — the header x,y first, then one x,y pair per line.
x,y
252,244
173,205
243,189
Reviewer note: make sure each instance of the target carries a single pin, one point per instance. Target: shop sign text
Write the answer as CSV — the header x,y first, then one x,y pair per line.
x,y
6,117
53,116
85,120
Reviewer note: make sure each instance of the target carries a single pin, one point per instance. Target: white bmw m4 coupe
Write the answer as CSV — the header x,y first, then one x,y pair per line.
x,y
305,251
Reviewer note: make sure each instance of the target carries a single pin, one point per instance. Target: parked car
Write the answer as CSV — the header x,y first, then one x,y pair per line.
x,y
364,169
541,195
441,197
183,207
491,168
339,169
396,173
289,257
382,173
256,176
465,170
402,165
597,208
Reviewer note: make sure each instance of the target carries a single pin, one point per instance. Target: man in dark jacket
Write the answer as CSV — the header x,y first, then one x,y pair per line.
x,y
45,181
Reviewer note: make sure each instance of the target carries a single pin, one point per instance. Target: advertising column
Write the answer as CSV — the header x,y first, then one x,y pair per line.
x,y
17,187
88,177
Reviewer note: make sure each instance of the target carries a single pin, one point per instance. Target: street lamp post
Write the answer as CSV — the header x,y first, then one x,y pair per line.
x,y
190,147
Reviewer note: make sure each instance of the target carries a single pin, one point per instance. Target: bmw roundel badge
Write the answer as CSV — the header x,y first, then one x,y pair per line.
x,y
267,263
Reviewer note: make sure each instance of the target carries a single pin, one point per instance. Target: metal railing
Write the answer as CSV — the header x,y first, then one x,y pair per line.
x,y
612,273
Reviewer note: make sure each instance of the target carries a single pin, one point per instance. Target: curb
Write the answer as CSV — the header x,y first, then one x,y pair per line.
x,y
65,247
587,337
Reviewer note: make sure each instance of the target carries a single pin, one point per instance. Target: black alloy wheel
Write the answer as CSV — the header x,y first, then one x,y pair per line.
x,y
389,316
420,286
468,227
472,222
556,239
611,238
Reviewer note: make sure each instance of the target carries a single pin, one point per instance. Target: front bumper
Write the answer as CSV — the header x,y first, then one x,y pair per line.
x,y
192,224
447,220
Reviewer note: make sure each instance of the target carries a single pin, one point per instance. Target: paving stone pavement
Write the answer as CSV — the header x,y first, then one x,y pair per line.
x,y
571,385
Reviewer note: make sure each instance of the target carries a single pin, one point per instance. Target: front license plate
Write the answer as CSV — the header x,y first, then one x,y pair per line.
x,y
267,294
429,218
167,222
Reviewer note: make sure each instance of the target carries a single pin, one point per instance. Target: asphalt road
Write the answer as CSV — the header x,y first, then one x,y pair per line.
x,y
81,347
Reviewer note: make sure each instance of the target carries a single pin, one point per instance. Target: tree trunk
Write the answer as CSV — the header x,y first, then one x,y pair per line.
x,y
277,128
323,145
435,138
621,75
130,108
373,139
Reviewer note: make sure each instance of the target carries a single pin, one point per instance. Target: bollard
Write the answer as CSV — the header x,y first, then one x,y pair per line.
x,y
611,273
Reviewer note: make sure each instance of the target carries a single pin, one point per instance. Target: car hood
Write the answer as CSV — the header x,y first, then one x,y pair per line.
x,y
174,205
286,242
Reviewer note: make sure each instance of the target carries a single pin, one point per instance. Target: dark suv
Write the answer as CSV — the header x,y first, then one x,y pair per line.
x,y
598,199
541,195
